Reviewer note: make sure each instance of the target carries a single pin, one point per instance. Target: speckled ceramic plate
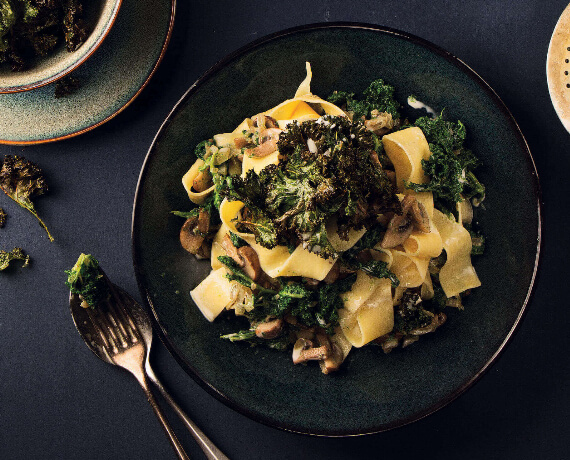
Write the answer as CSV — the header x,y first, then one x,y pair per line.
x,y
558,68
110,80
373,391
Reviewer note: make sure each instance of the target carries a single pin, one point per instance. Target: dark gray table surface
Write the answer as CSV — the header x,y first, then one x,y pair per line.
x,y
57,401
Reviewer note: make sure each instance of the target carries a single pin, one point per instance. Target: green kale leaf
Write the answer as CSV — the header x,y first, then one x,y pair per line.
x,y
14,254
378,96
22,180
87,280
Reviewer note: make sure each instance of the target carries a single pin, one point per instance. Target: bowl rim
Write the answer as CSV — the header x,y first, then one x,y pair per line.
x,y
146,296
62,73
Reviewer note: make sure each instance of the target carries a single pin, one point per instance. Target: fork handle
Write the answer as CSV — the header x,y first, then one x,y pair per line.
x,y
207,446
158,412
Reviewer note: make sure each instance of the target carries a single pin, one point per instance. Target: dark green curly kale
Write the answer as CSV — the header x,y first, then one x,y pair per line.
x,y
14,254
327,169
30,28
22,180
312,307
378,96
450,166
88,280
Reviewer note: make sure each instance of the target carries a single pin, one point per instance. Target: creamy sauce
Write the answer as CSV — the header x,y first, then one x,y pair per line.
x,y
413,102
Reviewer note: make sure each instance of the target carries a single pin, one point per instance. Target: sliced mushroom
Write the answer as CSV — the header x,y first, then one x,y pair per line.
x,y
203,222
380,123
269,134
334,360
231,250
240,142
414,215
262,150
202,181
251,266
264,121
333,274
419,215
437,321
399,229
304,351
190,238
269,329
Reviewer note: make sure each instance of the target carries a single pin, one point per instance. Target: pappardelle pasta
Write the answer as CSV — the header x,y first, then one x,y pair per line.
x,y
333,224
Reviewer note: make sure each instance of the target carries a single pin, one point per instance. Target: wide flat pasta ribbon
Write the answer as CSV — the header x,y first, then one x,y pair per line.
x,y
457,274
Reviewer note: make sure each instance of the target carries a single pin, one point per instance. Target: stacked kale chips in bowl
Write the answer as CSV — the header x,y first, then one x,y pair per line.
x,y
43,40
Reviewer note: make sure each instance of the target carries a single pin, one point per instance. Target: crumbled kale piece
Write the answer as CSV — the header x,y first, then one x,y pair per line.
x,y
88,280
326,170
410,314
66,86
3,216
450,166
14,254
22,180
30,28
378,96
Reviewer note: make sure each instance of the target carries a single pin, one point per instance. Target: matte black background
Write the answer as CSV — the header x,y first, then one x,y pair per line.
x,y
57,401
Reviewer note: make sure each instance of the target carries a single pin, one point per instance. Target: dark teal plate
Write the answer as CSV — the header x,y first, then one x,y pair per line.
x,y
110,79
374,391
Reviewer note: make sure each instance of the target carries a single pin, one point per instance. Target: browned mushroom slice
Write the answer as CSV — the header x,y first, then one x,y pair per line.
x,y
333,274
231,250
380,123
240,142
202,181
437,321
269,134
264,121
333,361
251,266
190,238
262,150
203,222
419,216
269,329
399,229
304,351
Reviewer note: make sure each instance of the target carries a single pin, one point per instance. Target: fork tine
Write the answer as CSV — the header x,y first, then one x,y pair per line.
x,y
122,316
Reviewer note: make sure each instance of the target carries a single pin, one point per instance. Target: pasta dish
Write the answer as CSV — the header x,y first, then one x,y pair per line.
x,y
333,224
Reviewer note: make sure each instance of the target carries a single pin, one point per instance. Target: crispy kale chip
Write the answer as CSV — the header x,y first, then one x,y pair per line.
x,y
327,169
30,28
87,280
14,254
378,96
410,314
22,180
450,166
3,217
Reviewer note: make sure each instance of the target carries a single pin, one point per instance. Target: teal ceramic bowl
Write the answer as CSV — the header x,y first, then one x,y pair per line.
x,y
100,16
374,391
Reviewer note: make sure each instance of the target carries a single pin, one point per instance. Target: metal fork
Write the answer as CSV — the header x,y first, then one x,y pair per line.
x,y
120,332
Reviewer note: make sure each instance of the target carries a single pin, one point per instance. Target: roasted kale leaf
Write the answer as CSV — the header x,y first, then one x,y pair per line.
x,y
14,254
88,280
378,96
450,166
23,180
327,169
